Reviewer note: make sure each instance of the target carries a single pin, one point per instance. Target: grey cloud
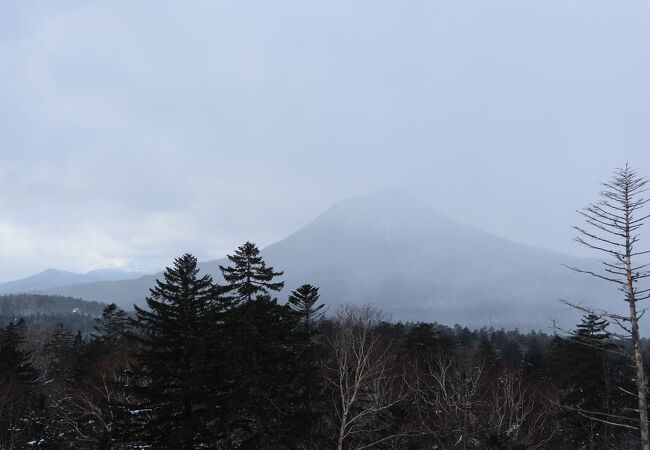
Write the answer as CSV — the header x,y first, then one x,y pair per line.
x,y
132,132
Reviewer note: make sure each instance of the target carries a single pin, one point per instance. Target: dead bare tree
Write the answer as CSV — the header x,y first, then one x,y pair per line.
x,y
613,229
361,376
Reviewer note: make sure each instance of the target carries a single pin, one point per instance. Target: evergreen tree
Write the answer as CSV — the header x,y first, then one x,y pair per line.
x,y
580,368
465,337
112,327
511,354
77,341
534,358
588,371
109,344
172,363
249,275
64,353
15,363
264,346
592,330
303,302
487,354
425,339
17,378
308,388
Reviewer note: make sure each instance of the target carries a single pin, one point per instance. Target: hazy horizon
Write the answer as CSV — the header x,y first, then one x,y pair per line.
x,y
380,192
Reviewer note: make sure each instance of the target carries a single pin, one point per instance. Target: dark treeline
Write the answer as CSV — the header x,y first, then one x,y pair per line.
x,y
32,304
230,367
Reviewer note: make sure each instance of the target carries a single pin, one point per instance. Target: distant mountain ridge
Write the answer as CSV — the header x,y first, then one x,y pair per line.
x,y
53,278
393,249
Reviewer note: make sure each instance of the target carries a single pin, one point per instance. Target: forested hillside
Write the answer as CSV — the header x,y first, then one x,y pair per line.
x,y
48,310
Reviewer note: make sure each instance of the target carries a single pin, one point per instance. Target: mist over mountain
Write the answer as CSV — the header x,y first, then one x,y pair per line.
x,y
52,278
394,250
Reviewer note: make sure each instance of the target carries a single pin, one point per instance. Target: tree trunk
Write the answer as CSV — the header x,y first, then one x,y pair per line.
x,y
339,442
465,427
640,371
634,322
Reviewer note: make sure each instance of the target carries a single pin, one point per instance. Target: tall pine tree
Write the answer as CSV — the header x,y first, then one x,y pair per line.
x,y
112,327
264,349
579,366
249,276
64,350
17,377
173,361
15,363
307,383
303,301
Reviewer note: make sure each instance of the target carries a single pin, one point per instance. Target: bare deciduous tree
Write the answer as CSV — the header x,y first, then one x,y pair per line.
x,y
518,412
361,376
94,404
458,405
447,395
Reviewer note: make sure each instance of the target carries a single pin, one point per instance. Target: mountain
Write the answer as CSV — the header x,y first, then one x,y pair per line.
x,y
112,275
53,278
396,251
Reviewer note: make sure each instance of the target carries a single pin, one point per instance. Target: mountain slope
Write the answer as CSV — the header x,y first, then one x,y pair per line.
x,y
394,250
53,278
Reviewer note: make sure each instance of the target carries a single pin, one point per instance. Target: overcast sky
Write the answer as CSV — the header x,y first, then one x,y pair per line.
x,y
132,131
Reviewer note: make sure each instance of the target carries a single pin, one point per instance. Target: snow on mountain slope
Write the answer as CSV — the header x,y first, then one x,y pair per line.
x,y
396,251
